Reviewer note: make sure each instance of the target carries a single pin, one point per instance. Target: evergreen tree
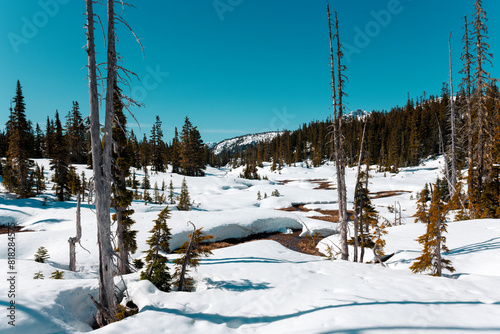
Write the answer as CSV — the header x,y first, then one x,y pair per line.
x,y
16,172
76,138
74,182
191,151
157,147
42,255
175,153
144,152
39,142
59,163
156,263
122,197
433,240
39,179
145,181
184,199
49,138
191,251
364,212
171,195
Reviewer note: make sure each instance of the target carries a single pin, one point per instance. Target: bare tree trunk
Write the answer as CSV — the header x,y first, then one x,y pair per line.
x,y
439,264
453,175
186,260
101,185
470,177
358,215
342,186
337,137
74,240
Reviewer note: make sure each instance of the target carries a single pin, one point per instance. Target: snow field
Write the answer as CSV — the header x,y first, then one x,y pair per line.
x,y
261,286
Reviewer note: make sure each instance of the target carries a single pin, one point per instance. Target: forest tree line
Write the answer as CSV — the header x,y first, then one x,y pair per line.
x,y
67,141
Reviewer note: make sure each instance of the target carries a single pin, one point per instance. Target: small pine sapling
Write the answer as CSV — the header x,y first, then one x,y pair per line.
x,y
378,232
156,263
184,199
259,197
42,255
138,264
171,194
191,252
433,240
39,275
58,274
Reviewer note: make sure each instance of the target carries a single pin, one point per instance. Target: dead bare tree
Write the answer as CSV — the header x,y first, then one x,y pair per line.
x,y
72,241
339,144
101,165
358,217
452,183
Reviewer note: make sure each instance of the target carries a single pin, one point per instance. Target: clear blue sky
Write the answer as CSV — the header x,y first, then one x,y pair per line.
x,y
243,67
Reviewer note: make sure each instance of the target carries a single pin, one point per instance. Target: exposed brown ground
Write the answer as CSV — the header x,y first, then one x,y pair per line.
x,y
293,241
329,215
390,193
6,229
321,183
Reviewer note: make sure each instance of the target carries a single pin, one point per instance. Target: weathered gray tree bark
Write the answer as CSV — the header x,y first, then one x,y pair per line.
x,y
453,154
72,241
337,135
467,59
102,185
342,192
358,216
182,277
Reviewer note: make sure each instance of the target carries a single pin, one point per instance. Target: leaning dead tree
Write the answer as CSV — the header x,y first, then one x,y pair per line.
x,y
336,133
101,164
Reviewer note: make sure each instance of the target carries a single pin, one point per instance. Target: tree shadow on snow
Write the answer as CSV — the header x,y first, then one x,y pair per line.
x,y
386,329
238,321
251,259
477,247
240,286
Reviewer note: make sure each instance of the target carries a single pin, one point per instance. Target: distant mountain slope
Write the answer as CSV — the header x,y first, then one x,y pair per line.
x,y
359,114
242,142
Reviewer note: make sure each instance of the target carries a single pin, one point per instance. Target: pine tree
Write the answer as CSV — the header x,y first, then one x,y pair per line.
x,y
157,147
49,138
175,153
122,197
16,172
191,252
191,150
184,199
156,263
39,142
378,232
171,195
42,255
433,240
74,182
76,135
39,179
59,163
145,181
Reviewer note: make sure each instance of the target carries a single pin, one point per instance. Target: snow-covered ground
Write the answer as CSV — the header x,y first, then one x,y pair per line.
x,y
259,286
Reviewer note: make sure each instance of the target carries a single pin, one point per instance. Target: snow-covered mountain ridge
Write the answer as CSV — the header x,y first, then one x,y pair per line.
x,y
242,142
